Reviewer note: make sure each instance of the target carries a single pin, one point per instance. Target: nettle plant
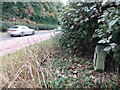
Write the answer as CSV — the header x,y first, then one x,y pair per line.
x,y
109,30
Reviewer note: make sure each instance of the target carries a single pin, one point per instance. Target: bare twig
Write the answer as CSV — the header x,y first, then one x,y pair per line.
x,y
16,76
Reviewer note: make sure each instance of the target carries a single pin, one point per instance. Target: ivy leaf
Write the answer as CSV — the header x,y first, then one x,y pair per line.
x,y
79,4
102,19
72,27
86,19
110,37
109,30
107,49
112,45
76,19
104,41
94,35
112,23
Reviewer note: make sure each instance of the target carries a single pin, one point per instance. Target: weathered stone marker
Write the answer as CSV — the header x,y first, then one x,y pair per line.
x,y
99,58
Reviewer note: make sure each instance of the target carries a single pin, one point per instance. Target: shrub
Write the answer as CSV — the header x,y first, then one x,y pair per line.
x,y
108,31
5,25
46,26
79,20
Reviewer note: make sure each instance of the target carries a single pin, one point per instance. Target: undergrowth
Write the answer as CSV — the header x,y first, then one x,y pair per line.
x,y
74,72
46,65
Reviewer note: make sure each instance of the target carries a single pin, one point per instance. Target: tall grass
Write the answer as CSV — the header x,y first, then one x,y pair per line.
x,y
29,67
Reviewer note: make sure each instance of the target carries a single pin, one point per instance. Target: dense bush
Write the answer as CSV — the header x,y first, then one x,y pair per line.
x,y
81,21
5,25
109,32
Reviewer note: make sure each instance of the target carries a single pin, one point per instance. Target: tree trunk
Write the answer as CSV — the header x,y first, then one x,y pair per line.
x,y
99,58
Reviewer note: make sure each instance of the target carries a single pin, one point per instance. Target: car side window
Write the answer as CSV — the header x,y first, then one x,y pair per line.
x,y
24,27
14,27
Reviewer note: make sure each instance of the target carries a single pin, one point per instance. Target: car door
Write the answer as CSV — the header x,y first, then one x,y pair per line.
x,y
25,29
28,30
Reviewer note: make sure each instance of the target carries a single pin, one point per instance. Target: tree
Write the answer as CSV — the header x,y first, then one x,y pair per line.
x,y
38,12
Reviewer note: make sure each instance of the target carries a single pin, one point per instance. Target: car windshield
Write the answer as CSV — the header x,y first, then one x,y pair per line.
x,y
15,27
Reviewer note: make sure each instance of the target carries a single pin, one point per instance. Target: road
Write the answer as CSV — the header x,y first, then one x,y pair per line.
x,y
5,36
11,44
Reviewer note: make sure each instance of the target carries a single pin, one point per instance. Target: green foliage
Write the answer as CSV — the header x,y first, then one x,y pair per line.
x,y
38,12
5,25
108,31
46,26
73,72
79,20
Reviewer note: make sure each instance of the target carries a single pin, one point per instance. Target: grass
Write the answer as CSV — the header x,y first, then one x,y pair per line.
x,y
21,67
46,65
1,33
20,53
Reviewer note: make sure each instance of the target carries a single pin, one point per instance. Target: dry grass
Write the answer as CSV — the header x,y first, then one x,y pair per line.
x,y
29,67
2,33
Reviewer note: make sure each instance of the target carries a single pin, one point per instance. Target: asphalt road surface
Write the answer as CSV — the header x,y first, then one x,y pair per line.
x,y
5,36
10,44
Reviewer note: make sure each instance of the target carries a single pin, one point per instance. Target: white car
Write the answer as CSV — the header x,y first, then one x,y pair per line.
x,y
20,30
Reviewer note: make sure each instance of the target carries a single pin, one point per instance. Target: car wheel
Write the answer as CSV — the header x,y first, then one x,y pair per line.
x,y
22,34
33,33
11,35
